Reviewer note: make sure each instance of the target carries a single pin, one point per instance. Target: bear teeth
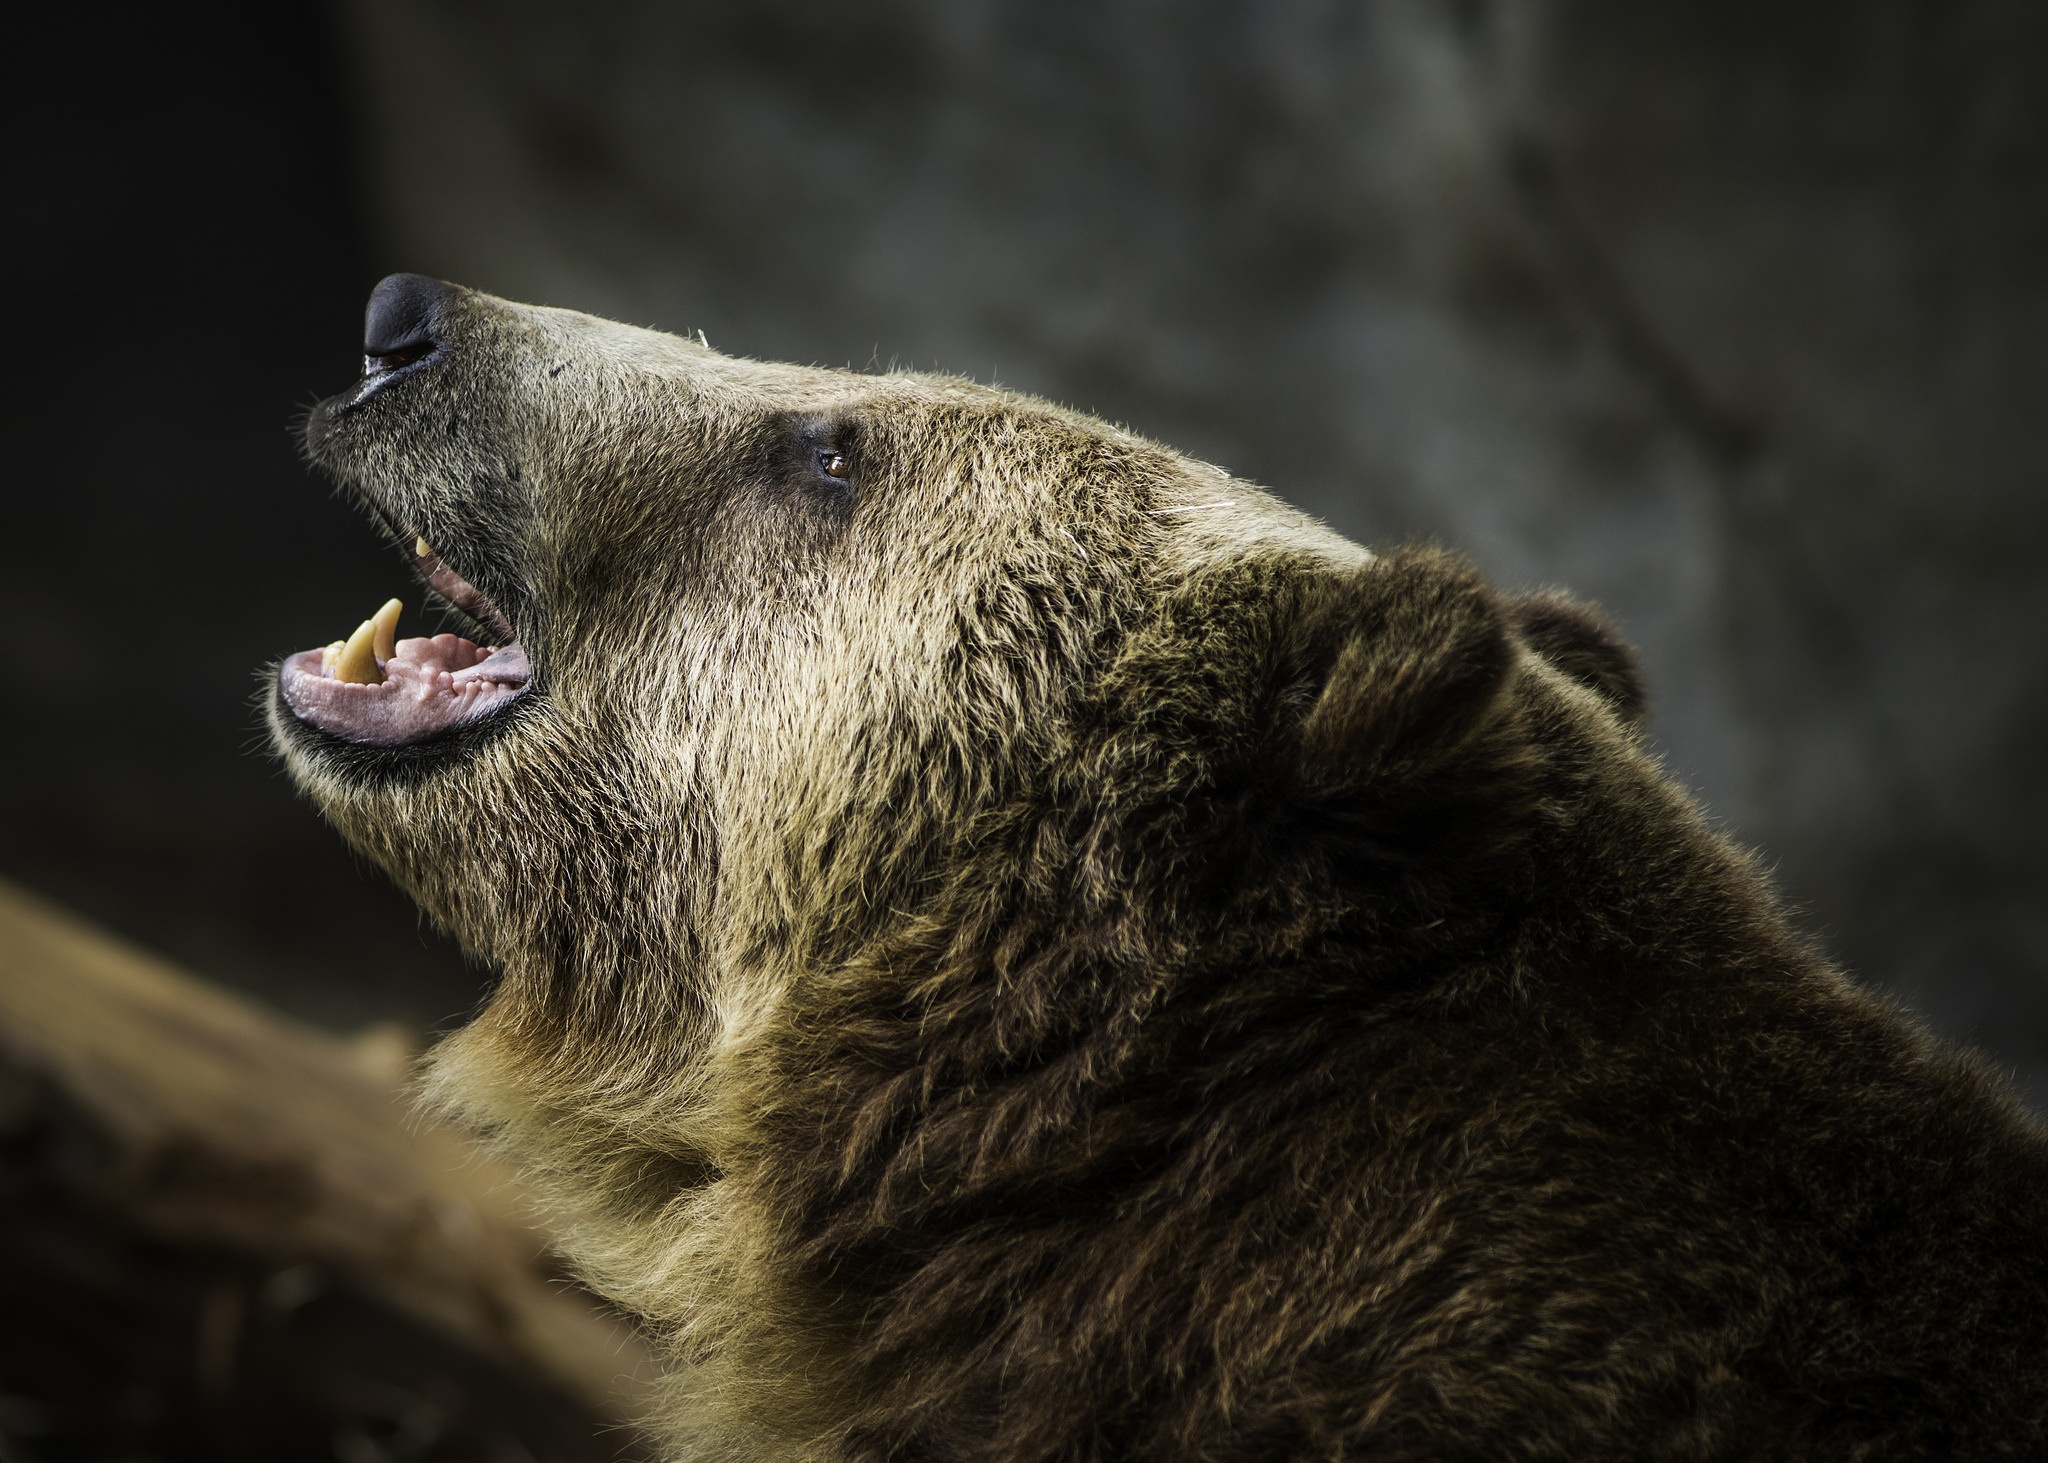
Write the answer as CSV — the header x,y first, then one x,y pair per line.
x,y
359,660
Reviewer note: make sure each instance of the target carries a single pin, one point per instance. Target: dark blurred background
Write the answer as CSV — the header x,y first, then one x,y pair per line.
x,y
1728,314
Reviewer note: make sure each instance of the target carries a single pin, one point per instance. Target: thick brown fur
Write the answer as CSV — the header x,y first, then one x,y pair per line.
x,y
1035,951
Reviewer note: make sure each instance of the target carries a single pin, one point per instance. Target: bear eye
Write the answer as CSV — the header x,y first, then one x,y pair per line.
x,y
834,464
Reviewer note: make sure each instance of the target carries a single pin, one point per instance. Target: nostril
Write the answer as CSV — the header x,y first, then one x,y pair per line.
x,y
392,360
399,323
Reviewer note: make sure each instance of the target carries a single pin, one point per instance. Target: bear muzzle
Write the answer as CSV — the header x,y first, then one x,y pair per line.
x,y
373,689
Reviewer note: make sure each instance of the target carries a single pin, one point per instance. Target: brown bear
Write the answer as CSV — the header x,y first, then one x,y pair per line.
x,y
1016,945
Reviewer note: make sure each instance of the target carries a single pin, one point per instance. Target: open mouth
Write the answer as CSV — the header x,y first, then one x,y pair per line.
x,y
381,691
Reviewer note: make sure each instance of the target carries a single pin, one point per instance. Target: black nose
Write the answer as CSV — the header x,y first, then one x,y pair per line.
x,y
399,325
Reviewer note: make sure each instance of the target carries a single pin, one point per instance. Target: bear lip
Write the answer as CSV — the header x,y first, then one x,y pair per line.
x,y
432,684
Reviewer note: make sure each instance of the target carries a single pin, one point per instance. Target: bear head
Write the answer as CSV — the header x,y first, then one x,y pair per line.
x,y
752,648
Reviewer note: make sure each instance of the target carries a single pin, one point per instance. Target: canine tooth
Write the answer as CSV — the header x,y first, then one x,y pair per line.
x,y
385,622
357,663
421,548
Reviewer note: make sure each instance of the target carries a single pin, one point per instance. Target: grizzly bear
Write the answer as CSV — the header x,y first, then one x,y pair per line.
x,y
1013,944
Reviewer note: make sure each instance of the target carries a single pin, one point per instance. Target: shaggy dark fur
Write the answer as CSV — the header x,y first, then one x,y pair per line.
x,y
1410,1076
1041,954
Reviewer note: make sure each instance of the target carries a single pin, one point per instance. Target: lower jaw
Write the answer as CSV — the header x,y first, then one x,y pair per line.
x,y
321,758
420,702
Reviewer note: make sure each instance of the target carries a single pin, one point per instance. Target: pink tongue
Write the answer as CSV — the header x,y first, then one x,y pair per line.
x,y
430,686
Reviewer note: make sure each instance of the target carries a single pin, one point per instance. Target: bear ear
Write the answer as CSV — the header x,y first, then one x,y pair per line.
x,y
1421,656
1582,643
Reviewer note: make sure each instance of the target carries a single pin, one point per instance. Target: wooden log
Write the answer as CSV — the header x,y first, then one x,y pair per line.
x,y
265,1171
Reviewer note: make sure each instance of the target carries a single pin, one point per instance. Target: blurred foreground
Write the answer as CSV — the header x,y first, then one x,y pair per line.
x,y
226,1240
